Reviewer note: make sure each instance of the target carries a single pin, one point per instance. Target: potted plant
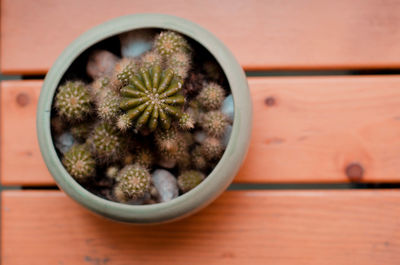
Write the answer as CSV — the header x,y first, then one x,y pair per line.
x,y
150,131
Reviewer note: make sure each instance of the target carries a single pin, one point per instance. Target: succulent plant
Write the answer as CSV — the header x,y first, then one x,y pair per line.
x,y
112,172
212,148
167,140
189,179
153,97
106,142
98,86
133,181
186,121
144,157
81,131
180,63
198,159
214,123
123,71
211,96
169,42
73,101
79,162
108,105
150,59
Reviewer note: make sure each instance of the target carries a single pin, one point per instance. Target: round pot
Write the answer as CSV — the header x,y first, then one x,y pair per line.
x,y
216,182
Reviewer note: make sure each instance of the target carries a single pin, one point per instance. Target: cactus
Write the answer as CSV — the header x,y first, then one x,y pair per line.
x,y
150,59
123,71
189,179
167,140
211,96
133,181
98,87
152,98
212,148
73,101
214,123
79,163
112,172
180,63
123,122
186,121
144,157
108,105
169,42
81,131
106,142
198,159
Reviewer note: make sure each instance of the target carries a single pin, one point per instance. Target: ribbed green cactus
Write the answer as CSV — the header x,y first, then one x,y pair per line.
x,y
79,162
73,100
214,123
106,142
133,182
153,97
211,96
169,42
189,179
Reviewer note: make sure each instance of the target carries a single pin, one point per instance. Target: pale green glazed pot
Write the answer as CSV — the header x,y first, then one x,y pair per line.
x,y
190,202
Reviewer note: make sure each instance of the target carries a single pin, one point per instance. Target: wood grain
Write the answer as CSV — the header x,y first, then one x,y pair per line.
x,y
309,34
305,129
241,227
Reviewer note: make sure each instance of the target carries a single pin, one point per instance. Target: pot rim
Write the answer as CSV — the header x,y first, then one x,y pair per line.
x,y
220,177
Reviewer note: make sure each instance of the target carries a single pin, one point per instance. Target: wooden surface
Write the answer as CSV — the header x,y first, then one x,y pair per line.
x,y
241,227
306,130
313,129
309,34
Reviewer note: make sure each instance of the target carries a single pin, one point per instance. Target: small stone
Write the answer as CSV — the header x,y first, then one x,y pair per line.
x,y
228,107
165,184
227,135
101,63
135,43
200,136
64,142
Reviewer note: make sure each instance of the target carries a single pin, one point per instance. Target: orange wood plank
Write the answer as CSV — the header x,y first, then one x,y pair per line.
x,y
269,34
311,131
241,227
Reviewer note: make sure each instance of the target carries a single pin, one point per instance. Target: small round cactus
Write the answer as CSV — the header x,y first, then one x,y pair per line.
x,y
134,181
167,140
108,106
150,59
214,123
180,63
152,98
81,131
189,179
106,142
98,86
186,121
123,122
123,71
79,163
211,96
112,172
198,159
73,101
169,42
144,157
212,148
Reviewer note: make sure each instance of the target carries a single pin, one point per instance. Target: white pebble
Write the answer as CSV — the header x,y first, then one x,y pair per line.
x,y
135,43
228,107
200,136
64,142
166,185
227,135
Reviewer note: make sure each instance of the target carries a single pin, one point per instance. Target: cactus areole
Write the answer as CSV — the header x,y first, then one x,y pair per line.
x,y
111,136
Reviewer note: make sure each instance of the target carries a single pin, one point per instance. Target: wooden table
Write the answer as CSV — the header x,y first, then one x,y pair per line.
x,y
314,123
